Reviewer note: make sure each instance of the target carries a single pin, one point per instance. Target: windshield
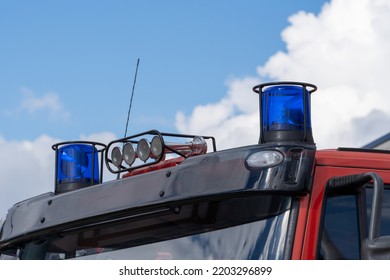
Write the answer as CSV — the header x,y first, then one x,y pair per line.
x,y
252,227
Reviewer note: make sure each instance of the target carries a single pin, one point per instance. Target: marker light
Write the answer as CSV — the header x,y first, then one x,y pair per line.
x,y
143,149
285,112
116,156
199,145
156,146
77,165
129,154
265,159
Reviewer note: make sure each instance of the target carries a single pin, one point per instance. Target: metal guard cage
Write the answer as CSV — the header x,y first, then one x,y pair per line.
x,y
117,166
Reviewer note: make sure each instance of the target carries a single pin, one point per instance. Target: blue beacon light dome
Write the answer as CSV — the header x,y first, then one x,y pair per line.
x,y
77,167
285,112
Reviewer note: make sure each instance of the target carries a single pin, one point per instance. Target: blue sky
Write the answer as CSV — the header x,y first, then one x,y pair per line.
x,y
83,55
67,68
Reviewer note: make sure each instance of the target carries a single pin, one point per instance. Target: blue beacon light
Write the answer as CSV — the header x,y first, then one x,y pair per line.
x,y
285,112
77,165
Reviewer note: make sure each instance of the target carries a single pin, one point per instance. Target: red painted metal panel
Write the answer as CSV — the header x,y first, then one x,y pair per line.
x,y
330,164
353,159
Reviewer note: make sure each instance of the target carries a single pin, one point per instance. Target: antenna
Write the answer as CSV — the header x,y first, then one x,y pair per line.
x,y
131,99
131,102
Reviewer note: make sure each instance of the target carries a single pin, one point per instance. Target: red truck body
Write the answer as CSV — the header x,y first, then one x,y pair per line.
x,y
328,164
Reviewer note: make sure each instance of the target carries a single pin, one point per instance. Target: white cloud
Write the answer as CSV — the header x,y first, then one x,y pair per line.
x,y
27,168
49,102
102,137
234,119
344,51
